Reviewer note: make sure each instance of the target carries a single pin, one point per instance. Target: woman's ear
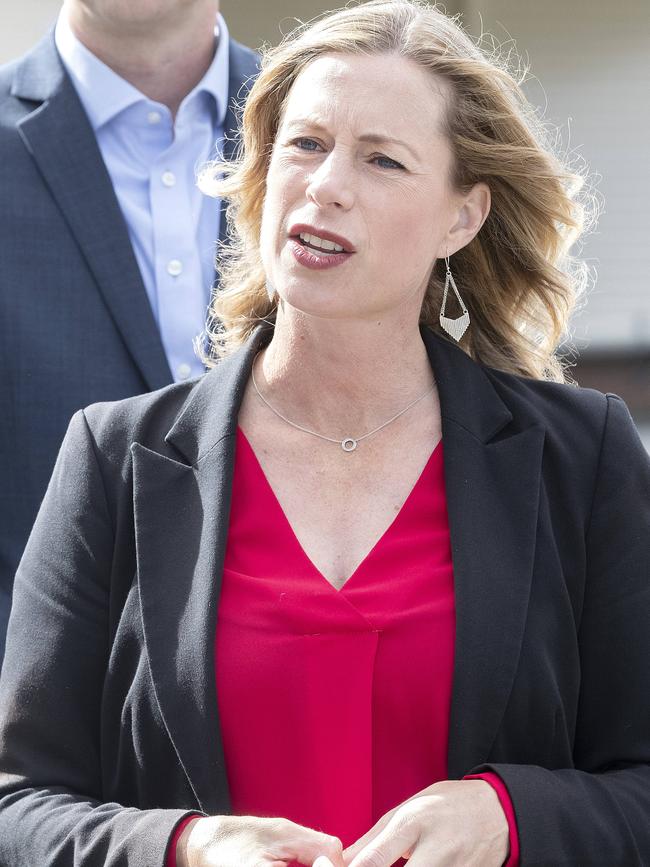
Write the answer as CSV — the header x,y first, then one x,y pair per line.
x,y
473,209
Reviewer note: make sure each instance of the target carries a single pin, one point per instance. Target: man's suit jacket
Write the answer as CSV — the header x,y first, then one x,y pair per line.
x,y
108,696
76,326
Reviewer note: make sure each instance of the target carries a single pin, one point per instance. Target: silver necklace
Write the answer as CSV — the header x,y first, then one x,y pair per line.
x,y
348,444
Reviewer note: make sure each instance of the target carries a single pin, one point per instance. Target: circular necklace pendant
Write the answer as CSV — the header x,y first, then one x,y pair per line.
x,y
348,445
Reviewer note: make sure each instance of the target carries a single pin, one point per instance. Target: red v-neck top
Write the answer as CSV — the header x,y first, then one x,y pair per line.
x,y
334,704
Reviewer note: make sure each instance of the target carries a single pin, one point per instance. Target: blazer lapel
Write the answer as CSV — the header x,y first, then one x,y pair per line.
x,y
59,137
492,486
181,523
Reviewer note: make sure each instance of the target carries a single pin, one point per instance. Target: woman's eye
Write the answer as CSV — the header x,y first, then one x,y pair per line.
x,y
299,142
310,146
393,163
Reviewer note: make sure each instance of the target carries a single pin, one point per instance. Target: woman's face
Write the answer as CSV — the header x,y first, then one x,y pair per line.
x,y
389,197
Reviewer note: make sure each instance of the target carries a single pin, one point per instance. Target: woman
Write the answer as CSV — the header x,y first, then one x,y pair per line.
x,y
359,586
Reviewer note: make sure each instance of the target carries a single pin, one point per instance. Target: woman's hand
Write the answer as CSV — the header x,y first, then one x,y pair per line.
x,y
249,841
454,823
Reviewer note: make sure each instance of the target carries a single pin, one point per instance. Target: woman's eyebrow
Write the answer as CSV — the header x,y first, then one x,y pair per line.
x,y
370,137
379,138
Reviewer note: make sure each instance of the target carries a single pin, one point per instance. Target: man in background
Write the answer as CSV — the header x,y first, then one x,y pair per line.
x,y
106,246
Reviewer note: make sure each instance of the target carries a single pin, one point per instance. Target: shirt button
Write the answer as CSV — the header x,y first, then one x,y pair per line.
x,y
168,179
183,371
174,267
154,117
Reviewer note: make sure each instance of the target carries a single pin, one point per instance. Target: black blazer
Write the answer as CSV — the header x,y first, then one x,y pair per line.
x,y
109,728
76,326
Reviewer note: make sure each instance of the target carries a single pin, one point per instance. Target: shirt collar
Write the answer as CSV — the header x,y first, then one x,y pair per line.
x,y
215,80
104,93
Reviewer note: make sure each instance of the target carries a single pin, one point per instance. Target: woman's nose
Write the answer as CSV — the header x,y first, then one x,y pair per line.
x,y
331,184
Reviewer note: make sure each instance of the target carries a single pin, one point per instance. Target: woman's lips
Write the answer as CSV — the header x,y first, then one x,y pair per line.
x,y
316,261
298,228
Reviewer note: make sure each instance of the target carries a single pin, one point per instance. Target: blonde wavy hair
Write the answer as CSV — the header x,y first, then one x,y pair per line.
x,y
517,279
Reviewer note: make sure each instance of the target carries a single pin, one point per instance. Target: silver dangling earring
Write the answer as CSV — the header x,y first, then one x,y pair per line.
x,y
270,291
455,327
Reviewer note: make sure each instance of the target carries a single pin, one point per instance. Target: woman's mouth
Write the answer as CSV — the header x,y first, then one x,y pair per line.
x,y
321,245
312,252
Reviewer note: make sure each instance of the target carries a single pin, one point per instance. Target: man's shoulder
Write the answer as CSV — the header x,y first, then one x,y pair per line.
x,y
244,63
7,74
243,51
28,80
8,105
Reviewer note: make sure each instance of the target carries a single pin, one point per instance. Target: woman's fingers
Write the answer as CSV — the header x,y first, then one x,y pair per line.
x,y
253,840
394,841
305,845
352,851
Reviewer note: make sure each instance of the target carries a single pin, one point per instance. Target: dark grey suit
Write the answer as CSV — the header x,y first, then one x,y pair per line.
x,y
108,696
76,326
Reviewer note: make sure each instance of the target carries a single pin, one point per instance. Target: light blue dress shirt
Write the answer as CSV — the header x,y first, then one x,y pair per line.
x,y
152,161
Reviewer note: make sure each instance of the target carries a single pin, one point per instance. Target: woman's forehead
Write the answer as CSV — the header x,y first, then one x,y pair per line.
x,y
379,94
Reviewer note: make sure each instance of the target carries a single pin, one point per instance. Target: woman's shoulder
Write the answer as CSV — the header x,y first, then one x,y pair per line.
x,y
146,419
529,400
548,396
572,416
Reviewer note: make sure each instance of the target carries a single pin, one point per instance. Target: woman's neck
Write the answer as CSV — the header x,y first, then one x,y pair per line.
x,y
340,376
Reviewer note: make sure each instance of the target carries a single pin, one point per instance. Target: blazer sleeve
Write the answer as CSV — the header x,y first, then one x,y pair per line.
x,y
598,812
51,810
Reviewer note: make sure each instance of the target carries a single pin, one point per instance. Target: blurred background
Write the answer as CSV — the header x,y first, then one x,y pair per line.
x,y
590,73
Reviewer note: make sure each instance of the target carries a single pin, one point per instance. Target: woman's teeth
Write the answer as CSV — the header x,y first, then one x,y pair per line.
x,y
320,244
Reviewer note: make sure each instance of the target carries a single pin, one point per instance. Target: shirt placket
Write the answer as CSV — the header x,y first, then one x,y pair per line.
x,y
178,269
